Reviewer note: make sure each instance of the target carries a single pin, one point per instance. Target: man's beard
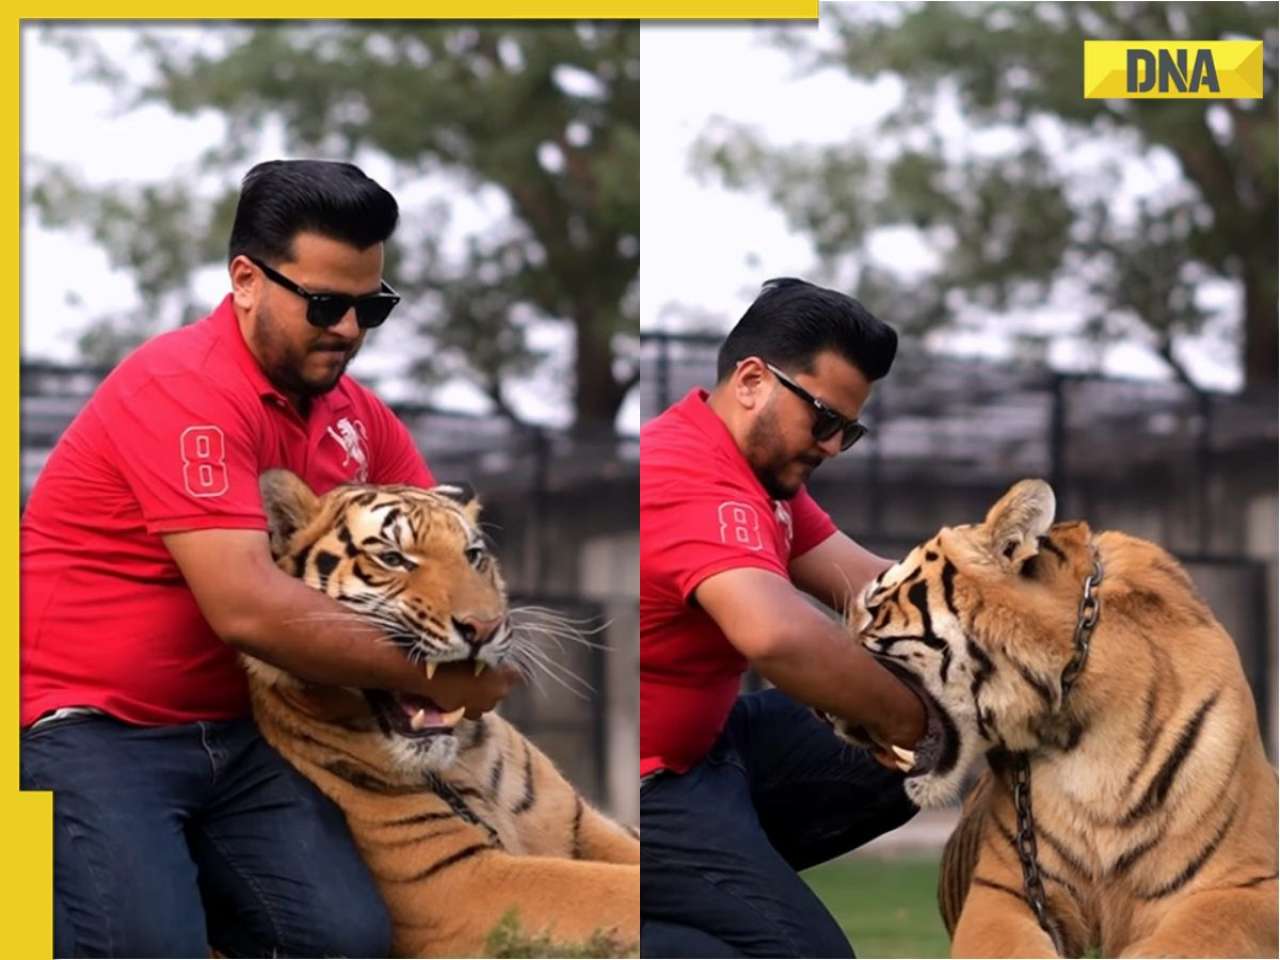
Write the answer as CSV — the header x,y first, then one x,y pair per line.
x,y
767,456
284,361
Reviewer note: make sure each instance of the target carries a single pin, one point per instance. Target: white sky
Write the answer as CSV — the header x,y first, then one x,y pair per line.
x,y
706,249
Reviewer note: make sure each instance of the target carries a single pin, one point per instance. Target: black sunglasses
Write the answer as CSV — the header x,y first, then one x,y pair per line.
x,y
827,423
326,309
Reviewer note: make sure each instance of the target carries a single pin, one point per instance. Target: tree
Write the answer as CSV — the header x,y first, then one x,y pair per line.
x,y
545,115
1012,211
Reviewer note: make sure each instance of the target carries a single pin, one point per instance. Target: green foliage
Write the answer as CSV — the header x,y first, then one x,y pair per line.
x,y
543,119
507,939
1018,200
887,908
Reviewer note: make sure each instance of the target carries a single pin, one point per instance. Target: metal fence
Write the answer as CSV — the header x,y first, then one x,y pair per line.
x,y
1193,471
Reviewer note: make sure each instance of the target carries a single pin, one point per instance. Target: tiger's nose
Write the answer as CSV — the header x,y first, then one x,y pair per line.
x,y
476,632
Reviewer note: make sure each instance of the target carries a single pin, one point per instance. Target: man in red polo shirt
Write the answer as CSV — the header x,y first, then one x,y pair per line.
x,y
145,570
740,792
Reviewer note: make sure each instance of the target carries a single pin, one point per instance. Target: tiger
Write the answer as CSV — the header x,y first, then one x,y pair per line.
x,y
464,824
1092,658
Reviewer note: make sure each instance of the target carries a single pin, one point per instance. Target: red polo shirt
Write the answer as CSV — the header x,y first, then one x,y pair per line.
x,y
174,439
702,511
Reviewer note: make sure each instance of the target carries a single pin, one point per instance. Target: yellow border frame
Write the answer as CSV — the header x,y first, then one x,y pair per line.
x,y
26,834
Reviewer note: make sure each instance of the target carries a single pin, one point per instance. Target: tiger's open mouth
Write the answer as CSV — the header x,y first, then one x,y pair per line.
x,y
939,748
412,716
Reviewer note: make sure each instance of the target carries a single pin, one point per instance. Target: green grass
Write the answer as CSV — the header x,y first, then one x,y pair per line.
x,y
887,908
509,939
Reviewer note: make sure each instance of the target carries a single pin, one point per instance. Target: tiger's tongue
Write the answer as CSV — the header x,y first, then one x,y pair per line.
x,y
423,713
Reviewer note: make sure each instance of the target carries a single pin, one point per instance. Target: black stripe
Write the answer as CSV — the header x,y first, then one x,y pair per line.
x,y
1160,784
949,588
458,805
1144,731
1131,856
982,673
300,560
1060,880
1255,881
918,596
527,800
349,546
466,853
326,563
984,882
368,579
1037,683
421,818
577,827
495,775
1064,853
414,840
367,781
1198,861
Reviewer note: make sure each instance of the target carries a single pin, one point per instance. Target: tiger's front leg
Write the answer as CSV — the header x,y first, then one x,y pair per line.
x,y
1230,922
454,912
997,922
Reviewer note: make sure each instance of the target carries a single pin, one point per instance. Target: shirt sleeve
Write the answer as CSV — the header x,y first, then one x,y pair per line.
x,y
188,452
689,535
812,524
396,458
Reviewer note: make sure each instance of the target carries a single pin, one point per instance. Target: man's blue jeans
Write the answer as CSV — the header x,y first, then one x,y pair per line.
x,y
721,844
169,840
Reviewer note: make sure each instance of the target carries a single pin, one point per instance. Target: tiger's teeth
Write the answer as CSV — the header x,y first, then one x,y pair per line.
x,y
906,756
904,766
479,667
451,718
431,669
419,720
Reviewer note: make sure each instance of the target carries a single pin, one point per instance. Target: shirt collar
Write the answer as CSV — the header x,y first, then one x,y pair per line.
x,y
695,408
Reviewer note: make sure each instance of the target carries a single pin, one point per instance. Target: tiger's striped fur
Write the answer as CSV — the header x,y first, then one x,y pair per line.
x,y
457,825
1154,803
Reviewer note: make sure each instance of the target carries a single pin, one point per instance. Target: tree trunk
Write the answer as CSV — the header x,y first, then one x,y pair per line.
x,y
1260,320
596,393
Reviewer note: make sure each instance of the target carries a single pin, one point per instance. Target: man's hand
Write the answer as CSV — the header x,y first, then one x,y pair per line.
x,y
260,610
456,685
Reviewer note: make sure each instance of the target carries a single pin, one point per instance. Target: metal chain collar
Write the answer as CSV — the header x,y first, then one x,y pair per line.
x,y
1025,839
1086,620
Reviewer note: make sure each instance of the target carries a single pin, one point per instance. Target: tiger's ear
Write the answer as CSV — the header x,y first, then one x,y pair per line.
x,y
1018,520
289,504
464,494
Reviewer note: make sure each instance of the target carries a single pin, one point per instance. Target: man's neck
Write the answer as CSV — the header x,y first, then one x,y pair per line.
x,y
301,403
721,404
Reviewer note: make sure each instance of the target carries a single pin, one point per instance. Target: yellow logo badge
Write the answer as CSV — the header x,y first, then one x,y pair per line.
x,y
1173,69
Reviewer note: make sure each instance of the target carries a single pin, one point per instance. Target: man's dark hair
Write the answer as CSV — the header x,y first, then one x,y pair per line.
x,y
792,321
281,198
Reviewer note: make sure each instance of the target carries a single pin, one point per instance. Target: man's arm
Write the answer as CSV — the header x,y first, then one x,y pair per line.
x,y
836,571
262,611
807,655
